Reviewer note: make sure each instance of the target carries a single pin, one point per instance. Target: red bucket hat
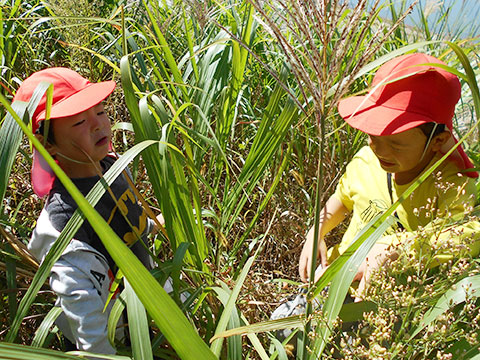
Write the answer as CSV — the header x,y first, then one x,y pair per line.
x,y
72,94
406,93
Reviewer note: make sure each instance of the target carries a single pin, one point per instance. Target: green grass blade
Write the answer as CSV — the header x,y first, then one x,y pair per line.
x,y
44,328
425,25
11,134
350,312
11,277
229,307
267,141
177,262
471,77
257,345
189,36
281,353
234,349
465,288
342,281
115,314
166,172
167,53
138,326
23,352
239,61
234,342
10,138
238,243
223,294
462,349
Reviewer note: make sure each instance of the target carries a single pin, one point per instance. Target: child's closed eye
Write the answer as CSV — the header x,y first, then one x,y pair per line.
x,y
79,123
101,113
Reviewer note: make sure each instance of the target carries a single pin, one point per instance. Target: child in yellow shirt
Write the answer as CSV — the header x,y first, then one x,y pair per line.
x,y
407,116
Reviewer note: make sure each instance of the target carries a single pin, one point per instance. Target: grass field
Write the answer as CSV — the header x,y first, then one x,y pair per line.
x,y
226,114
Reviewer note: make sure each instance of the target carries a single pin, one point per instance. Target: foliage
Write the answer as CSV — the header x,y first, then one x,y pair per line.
x,y
232,108
404,292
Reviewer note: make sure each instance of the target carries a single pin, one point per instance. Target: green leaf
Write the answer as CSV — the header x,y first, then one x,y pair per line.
x,y
115,314
138,326
281,353
23,352
238,243
166,170
229,307
10,138
268,139
470,75
462,349
465,288
349,313
44,328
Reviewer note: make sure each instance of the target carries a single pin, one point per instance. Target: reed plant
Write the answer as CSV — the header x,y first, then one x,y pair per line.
x,y
224,101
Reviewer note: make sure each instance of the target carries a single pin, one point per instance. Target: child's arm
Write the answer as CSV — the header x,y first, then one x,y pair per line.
x,y
81,281
331,215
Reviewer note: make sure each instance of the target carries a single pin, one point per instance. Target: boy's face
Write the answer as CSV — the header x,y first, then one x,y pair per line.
x,y
85,133
402,153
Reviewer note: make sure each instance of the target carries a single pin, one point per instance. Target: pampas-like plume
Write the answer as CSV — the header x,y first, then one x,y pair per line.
x,y
326,43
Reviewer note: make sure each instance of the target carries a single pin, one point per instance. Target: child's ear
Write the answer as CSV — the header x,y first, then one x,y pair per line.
x,y
52,149
439,140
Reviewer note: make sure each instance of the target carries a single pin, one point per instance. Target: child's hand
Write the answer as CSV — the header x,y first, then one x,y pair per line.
x,y
374,260
331,215
160,220
305,262
320,271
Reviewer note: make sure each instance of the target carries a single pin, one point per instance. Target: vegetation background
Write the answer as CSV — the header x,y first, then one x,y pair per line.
x,y
226,114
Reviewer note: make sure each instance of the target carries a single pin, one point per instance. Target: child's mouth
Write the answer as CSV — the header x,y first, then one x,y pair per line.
x,y
385,163
102,141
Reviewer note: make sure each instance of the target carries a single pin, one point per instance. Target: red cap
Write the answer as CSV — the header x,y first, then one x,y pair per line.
x,y
404,94
72,94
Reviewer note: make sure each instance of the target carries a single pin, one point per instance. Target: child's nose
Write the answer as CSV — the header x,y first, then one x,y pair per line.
x,y
94,119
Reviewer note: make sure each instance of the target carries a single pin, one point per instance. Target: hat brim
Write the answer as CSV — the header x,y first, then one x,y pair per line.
x,y
378,120
82,100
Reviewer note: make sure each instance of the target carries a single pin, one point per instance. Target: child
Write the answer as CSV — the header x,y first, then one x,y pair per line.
x,y
78,137
407,116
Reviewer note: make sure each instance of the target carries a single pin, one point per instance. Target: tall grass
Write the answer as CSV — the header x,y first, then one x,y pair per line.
x,y
224,100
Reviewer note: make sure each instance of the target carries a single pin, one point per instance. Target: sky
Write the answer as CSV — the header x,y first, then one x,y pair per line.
x,y
464,14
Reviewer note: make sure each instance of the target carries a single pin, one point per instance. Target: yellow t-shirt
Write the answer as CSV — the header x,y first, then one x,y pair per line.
x,y
363,190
